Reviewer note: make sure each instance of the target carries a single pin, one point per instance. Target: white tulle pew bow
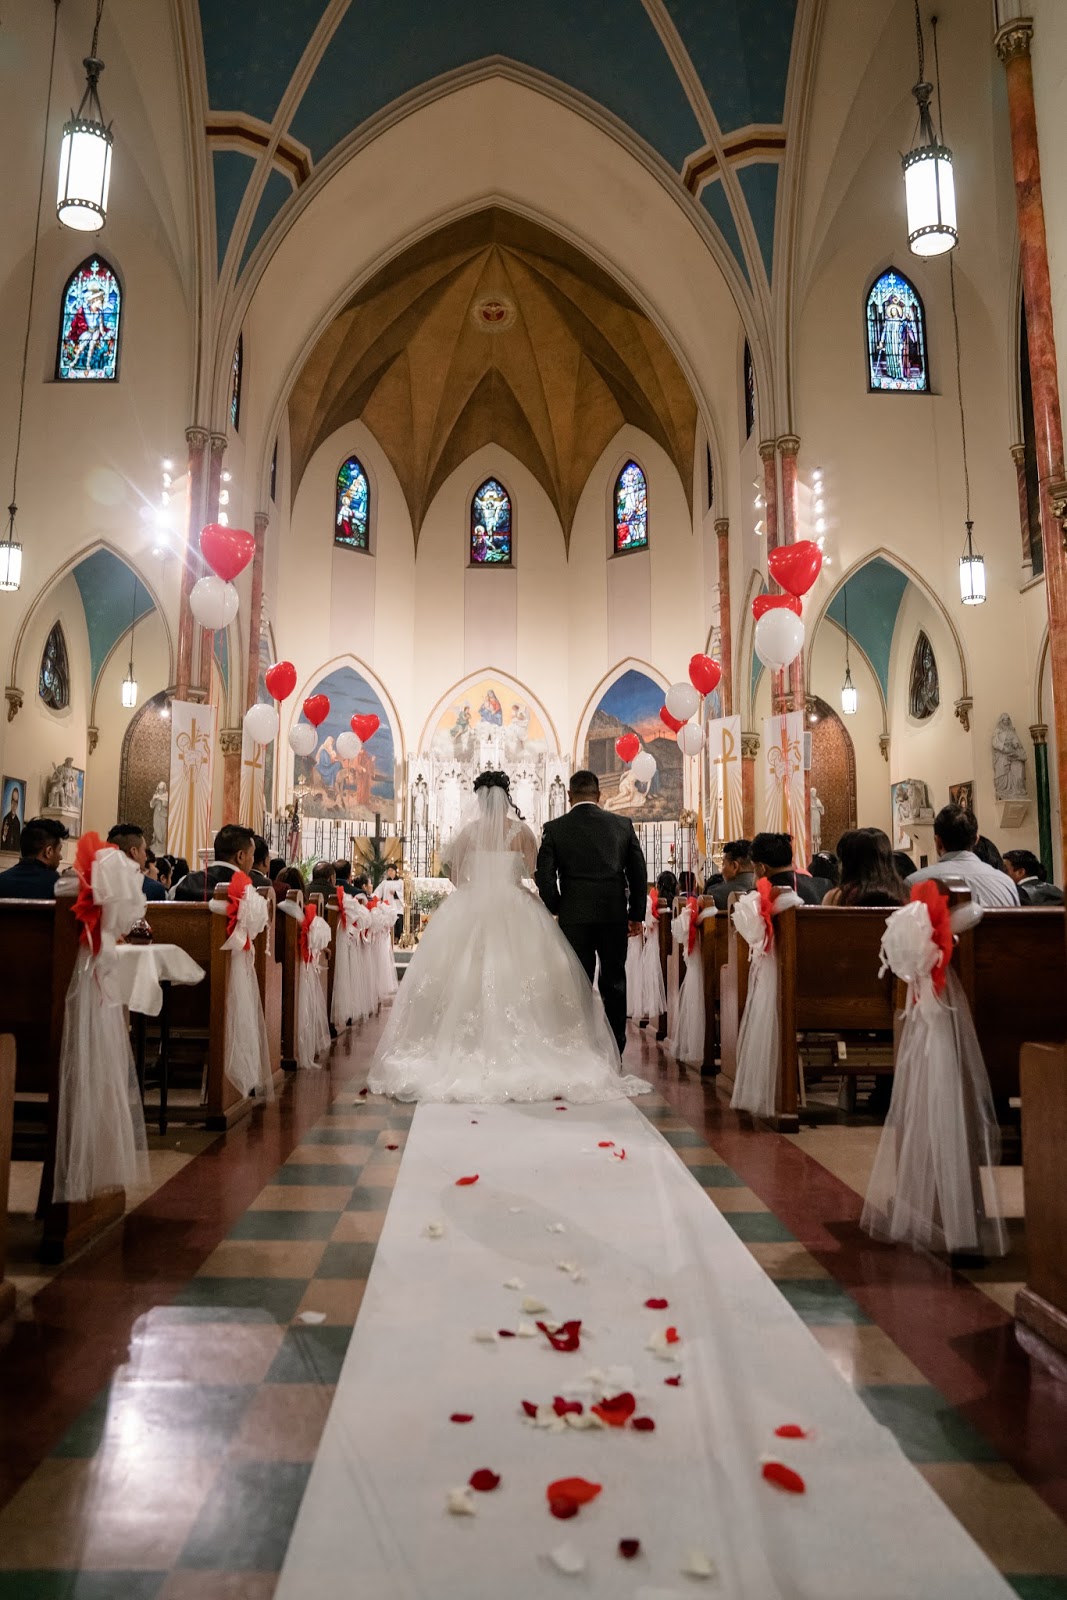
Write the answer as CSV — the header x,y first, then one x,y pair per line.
x,y
686,1042
312,1026
758,1040
247,1049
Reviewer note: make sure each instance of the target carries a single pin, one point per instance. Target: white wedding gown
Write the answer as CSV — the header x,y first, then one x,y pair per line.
x,y
494,1004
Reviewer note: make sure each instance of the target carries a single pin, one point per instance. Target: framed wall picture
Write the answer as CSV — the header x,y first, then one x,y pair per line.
x,y
12,813
962,794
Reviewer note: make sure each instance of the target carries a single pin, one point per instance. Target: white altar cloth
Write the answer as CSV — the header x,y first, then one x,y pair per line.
x,y
373,1521
141,969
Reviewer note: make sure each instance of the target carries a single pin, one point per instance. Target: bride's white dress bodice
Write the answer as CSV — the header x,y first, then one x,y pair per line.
x,y
492,869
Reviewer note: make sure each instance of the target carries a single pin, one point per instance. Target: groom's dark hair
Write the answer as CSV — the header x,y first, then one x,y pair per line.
x,y
584,783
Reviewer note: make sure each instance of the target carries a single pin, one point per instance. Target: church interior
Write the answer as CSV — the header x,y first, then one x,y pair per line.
x,y
666,389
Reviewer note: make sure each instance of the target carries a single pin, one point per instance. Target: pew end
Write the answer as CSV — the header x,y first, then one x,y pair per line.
x,y
1041,1305
7,1124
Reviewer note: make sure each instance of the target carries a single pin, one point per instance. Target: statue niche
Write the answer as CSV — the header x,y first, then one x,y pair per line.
x,y
924,695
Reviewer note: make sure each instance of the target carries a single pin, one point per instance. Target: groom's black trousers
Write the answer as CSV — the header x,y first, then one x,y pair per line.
x,y
609,941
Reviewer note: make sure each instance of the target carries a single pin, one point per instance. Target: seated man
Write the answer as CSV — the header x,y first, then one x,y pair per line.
x,y
130,839
234,848
772,858
34,877
343,875
324,881
738,876
955,836
1030,878
260,873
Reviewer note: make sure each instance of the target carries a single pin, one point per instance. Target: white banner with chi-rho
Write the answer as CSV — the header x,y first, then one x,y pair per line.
x,y
783,775
192,767
723,741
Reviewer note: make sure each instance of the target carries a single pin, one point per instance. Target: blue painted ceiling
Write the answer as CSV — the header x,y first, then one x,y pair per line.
x,y
111,594
608,50
874,596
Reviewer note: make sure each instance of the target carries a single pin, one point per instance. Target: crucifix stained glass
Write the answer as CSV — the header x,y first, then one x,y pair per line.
x,y
491,525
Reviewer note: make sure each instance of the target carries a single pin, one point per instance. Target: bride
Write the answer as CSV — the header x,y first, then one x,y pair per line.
x,y
494,1004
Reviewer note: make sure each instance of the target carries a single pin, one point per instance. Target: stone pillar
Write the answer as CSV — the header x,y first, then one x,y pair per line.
x,y
749,753
789,445
726,650
231,741
1018,455
192,564
769,456
1013,47
255,609
1039,734
211,514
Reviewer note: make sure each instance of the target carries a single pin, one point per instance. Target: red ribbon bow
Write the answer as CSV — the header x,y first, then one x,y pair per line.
x,y
654,897
309,916
940,927
235,893
372,902
88,913
766,900
694,923
341,908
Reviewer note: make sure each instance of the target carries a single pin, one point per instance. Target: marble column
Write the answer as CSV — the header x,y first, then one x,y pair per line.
x,y
1013,47
726,650
231,741
192,563
1039,734
255,609
1018,455
749,756
789,446
212,487
769,456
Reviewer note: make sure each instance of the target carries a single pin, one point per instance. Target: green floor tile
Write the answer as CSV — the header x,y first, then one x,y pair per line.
x,y
173,1419
362,1137
310,1355
758,1227
1029,1586
712,1175
684,1138
926,1427
247,1521
819,1300
285,1225
276,1298
42,1585
369,1197
318,1174
346,1260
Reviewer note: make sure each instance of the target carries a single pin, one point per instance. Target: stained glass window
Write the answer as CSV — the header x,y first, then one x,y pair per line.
x,y
89,325
235,382
750,392
491,525
631,509
896,335
53,681
352,527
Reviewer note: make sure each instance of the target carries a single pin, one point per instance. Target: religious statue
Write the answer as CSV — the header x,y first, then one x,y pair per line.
x,y
160,806
63,787
420,803
557,798
818,811
1009,761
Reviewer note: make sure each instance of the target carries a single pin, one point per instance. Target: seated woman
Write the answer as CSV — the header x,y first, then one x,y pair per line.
x,y
869,876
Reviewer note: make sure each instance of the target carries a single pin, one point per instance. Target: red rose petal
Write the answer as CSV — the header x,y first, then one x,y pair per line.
x,y
561,1406
562,1506
606,1144
628,1548
474,1122
505,1333
672,1336
580,1490
392,1147
791,1430
484,1480
529,1408
561,1108
617,1411
620,1155
462,1416
364,1090
566,1338
656,1305
783,1477
675,1382
643,1424
464,1183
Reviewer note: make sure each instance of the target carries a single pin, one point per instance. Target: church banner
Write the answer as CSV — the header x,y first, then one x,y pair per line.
x,y
723,740
783,774
250,807
192,769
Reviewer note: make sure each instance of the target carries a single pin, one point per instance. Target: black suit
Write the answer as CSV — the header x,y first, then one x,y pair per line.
x,y
201,885
591,874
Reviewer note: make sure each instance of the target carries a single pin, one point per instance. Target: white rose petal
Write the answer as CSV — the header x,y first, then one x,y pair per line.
x,y
515,1210
434,1230
555,1227
697,1564
514,1283
566,1266
587,1419
312,1316
532,1305
568,1558
460,1502
484,1336
553,1327
526,1330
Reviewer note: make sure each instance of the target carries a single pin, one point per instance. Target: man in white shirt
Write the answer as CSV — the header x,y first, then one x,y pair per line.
x,y
955,835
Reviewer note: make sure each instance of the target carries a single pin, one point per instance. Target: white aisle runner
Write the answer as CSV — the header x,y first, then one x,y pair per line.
x,y
374,1524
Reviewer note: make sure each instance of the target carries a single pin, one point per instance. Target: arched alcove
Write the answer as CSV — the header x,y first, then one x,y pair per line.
x,y
145,761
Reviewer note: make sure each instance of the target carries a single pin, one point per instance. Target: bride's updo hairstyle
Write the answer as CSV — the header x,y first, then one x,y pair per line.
x,y
498,780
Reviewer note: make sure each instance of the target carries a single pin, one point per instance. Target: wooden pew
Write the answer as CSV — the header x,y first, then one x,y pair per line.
x,y
713,939
663,933
1042,1303
1013,969
7,1123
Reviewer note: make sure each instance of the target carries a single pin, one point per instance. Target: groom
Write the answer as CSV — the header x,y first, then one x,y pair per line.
x,y
591,875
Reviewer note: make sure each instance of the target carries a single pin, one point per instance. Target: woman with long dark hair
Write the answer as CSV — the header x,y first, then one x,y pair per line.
x,y
869,876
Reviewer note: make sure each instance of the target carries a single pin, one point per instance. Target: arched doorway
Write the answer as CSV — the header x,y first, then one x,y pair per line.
x,y
145,762
833,771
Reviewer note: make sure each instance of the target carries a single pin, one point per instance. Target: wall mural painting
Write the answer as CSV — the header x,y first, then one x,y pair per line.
x,y
632,705
355,789
489,716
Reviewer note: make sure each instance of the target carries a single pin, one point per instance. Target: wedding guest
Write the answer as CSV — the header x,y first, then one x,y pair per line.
x,y
343,876
868,873
955,836
178,871
34,877
277,867
260,873
235,847
772,858
904,864
667,888
151,866
288,878
687,883
324,880
987,851
130,839
1030,878
738,873
164,869
826,865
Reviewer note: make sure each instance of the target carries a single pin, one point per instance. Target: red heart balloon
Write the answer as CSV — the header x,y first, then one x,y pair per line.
x,y
673,723
704,674
775,602
626,746
795,566
317,708
365,726
280,680
227,551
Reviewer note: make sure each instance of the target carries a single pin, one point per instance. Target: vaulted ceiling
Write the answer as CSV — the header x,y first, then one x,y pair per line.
x,y
701,82
493,331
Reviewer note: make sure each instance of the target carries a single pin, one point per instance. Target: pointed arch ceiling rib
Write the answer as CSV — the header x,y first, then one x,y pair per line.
x,y
623,55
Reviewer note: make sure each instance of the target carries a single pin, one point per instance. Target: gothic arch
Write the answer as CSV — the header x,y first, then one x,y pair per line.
x,y
347,659
469,682
630,664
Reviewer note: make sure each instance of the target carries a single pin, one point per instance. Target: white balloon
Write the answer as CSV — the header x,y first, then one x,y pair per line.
x,y
779,638
213,602
643,767
302,738
348,745
262,723
683,701
691,739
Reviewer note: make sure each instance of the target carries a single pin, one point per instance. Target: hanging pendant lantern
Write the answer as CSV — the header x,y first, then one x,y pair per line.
x,y
972,573
129,689
929,182
10,555
85,158
849,697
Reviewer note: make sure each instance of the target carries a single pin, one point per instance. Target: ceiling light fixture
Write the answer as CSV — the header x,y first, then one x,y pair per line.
x,y
849,697
85,154
929,187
